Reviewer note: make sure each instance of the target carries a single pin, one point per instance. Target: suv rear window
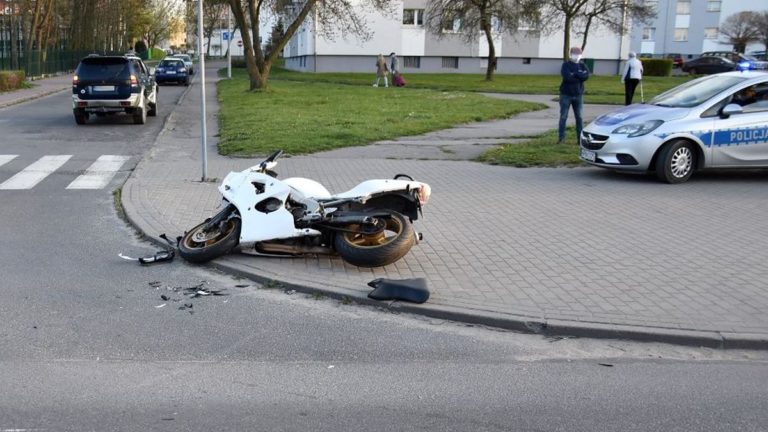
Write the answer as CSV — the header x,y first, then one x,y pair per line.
x,y
171,63
103,68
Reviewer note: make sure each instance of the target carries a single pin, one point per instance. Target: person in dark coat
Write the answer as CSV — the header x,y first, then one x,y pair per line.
x,y
574,73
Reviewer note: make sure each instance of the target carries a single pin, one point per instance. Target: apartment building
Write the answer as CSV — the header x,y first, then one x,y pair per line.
x,y
420,51
690,27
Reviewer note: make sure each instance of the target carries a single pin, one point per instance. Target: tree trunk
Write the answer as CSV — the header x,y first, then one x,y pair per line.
x,y
491,51
567,37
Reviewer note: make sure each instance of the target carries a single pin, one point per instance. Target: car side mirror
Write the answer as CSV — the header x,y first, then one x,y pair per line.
x,y
731,109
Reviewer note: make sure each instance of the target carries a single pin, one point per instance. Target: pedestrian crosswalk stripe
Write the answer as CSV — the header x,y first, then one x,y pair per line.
x,y
35,173
4,159
100,173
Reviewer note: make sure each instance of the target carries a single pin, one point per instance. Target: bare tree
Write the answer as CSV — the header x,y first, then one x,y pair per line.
x,y
213,11
333,17
615,15
761,26
740,29
580,16
480,18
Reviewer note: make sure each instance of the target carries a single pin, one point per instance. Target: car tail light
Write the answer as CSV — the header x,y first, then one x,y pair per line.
x,y
75,80
134,81
125,103
82,104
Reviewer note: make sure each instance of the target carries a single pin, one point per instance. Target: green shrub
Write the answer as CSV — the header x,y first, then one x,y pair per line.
x,y
140,46
11,80
156,53
657,67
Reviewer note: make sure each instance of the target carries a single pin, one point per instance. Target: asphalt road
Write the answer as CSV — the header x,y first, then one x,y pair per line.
x,y
90,341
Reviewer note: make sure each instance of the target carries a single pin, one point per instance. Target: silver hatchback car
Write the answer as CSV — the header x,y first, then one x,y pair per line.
x,y
717,121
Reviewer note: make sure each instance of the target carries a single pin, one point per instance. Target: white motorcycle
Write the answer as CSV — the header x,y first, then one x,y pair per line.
x,y
368,226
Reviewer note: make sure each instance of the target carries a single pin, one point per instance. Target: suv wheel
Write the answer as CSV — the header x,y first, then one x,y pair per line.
x,y
80,116
140,115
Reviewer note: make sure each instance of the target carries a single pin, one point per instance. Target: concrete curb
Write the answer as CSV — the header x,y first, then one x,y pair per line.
x,y
29,98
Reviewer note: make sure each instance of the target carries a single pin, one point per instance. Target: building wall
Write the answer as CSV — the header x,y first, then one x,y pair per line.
x,y
522,52
696,22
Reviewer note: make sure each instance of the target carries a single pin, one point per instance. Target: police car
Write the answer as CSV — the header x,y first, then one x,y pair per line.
x,y
717,121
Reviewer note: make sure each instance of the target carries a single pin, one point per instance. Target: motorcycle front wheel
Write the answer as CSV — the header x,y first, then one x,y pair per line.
x,y
199,245
380,249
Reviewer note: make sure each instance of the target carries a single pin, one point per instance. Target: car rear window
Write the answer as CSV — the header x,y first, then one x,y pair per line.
x,y
171,63
103,68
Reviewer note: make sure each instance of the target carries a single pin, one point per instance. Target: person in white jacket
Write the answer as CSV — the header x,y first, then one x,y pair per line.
x,y
633,73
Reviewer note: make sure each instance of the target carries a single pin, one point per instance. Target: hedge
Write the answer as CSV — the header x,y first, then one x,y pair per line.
x,y
657,67
11,80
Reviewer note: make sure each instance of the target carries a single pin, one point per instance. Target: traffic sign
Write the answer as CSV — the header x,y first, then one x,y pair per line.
x,y
225,35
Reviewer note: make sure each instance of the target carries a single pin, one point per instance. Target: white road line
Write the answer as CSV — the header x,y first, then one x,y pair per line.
x,y
35,173
4,159
100,173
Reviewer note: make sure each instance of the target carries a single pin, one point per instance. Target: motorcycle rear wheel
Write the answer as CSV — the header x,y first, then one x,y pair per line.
x,y
380,249
198,246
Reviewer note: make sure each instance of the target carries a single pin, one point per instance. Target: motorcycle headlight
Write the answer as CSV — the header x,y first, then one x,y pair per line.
x,y
638,129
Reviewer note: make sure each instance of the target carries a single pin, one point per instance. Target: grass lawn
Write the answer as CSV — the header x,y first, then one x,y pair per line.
x,y
310,112
598,89
312,116
539,151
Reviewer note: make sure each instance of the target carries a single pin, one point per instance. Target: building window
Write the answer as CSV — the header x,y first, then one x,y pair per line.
x,y
683,7
412,62
713,5
526,60
451,24
649,33
413,17
450,62
681,34
711,33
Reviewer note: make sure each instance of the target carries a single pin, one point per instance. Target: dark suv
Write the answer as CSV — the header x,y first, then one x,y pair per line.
x,y
113,84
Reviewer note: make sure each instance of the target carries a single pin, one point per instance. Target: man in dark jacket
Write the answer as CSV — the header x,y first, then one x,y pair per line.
x,y
574,74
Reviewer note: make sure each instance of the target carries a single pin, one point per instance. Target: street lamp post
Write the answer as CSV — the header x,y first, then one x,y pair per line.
x,y
203,128
229,42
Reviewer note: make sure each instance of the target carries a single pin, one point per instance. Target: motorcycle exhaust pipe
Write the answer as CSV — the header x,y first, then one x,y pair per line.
x,y
348,220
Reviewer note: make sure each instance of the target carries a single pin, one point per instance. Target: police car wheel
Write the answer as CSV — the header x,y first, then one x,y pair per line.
x,y
676,162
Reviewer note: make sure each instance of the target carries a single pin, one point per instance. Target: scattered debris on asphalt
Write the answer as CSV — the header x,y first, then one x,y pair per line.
x,y
412,290
178,294
165,255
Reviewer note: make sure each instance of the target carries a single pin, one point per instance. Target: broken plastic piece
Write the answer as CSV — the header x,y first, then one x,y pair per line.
x,y
166,255
412,290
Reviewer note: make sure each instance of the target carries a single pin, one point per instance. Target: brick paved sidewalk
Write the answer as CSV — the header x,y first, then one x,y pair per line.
x,y
563,251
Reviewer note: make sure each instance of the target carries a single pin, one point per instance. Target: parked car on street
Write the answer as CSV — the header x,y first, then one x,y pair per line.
x,y
113,84
709,65
677,60
716,121
187,61
743,61
171,70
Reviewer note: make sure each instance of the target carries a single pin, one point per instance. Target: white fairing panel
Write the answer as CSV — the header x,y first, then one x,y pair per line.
x,y
308,187
369,187
238,188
